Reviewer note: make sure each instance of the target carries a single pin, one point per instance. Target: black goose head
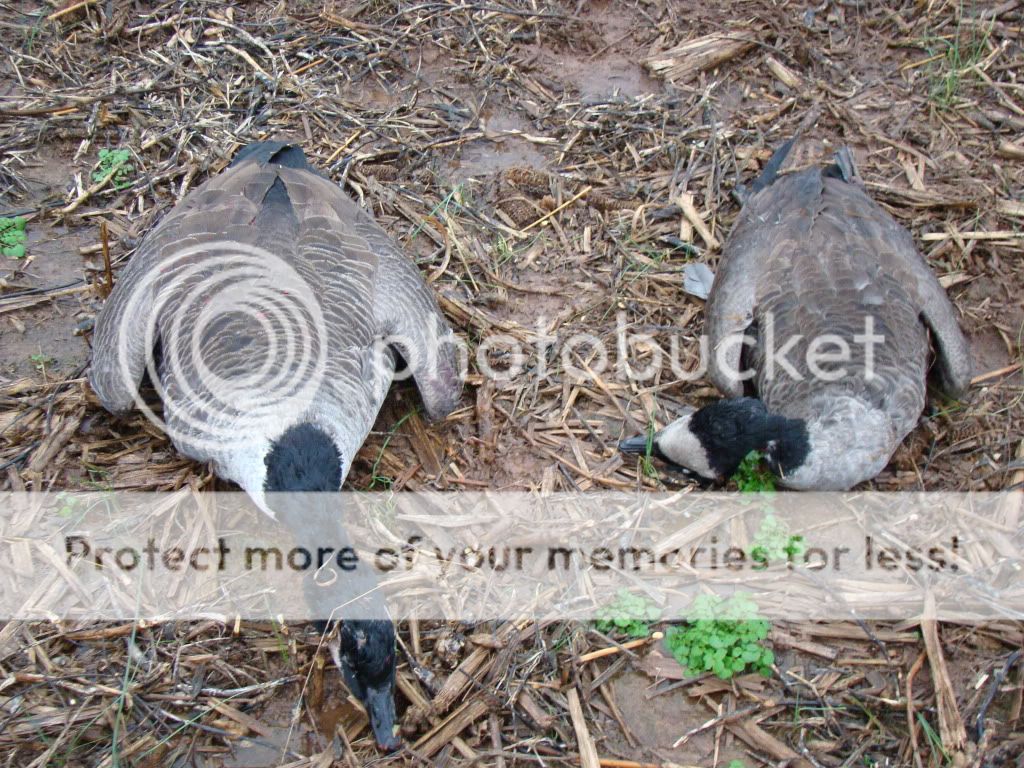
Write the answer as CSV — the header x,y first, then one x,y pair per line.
x,y
303,460
368,665
712,441
303,474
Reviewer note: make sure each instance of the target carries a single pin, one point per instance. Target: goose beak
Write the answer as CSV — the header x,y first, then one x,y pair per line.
x,y
380,705
636,444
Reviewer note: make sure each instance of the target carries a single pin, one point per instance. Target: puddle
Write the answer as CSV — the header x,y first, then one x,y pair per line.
x,y
282,741
607,76
503,149
267,752
600,59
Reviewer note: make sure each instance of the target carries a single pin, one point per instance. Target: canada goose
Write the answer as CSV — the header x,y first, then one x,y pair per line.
x,y
267,307
811,257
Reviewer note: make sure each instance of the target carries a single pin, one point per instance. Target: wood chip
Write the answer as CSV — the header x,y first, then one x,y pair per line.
x,y
688,59
951,724
782,73
585,743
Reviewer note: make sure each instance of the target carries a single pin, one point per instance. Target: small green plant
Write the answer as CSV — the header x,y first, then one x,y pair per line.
x,y
115,163
69,504
503,248
752,476
378,480
630,615
934,740
737,764
724,638
41,361
646,462
956,57
13,237
773,542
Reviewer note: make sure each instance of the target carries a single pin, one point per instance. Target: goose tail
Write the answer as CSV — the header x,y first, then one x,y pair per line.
x,y
772,167
272,152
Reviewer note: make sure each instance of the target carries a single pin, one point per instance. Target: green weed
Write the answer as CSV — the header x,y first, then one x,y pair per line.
x,y
41,361
934,740
116,165
630,615
376,479
957,56
13,237
773,542
752,476
504,250
724,638
646,461
69,505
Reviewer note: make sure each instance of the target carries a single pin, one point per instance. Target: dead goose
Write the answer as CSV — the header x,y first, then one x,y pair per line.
x,y
812,257
266,307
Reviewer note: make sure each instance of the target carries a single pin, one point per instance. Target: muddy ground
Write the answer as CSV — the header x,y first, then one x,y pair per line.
x,y
531,158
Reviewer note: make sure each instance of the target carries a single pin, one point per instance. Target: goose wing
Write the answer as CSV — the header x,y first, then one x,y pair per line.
x,y
121,348
758,243
780,237
397,302
900,255
868,238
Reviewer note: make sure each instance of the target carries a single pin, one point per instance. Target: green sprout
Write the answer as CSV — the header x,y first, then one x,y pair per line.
x,y
724,638
41,361
69,504
955,59
504,250
630,615
13,237
116,165
646,462
773,542
752,476
377,479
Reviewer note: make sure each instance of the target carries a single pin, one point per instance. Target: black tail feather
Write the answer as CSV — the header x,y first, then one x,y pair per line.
x,y
843,167
277,152
771,170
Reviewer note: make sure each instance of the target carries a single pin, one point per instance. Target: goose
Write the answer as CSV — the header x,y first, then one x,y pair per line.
x,y
812,257
271,312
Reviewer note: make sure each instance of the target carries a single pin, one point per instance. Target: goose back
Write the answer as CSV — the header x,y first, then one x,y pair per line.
x,y
274,300
813,260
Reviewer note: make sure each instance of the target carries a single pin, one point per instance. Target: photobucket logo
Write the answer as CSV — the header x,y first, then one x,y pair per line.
x,y
242,340
642,356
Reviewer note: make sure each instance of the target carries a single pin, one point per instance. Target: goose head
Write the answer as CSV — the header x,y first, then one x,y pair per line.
x,y
304,473
711,442
367,662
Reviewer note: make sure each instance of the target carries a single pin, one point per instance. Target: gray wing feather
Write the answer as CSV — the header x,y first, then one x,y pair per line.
x,y
120,348
407,312
759,242
952,350
401,306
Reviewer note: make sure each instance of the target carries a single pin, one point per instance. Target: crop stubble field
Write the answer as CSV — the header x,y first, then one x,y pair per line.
x,y
552,167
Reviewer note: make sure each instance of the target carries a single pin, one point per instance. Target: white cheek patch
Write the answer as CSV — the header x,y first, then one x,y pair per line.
x,y
683,447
